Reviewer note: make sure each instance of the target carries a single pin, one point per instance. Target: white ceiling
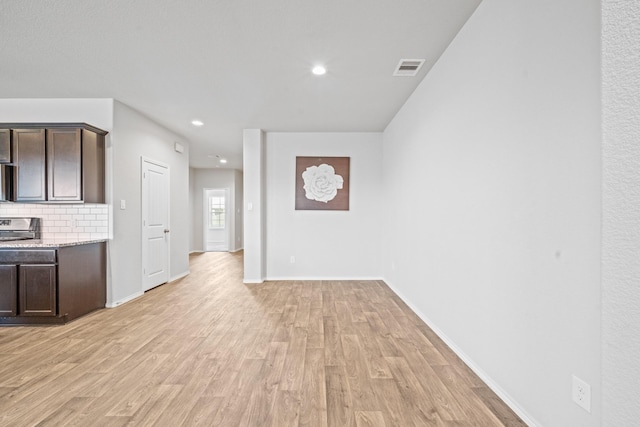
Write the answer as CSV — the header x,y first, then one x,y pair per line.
x,y
233,64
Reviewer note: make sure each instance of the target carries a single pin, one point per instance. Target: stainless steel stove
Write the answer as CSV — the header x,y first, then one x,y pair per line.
x,y
12,229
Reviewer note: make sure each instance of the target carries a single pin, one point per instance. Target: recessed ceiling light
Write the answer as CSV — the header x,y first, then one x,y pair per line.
x,y
223,160
319,70
197,123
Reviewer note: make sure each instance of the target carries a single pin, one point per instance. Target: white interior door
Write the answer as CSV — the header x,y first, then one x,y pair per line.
x,y
155,224
216,219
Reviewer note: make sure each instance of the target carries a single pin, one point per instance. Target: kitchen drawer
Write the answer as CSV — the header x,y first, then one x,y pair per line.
x,y
27,256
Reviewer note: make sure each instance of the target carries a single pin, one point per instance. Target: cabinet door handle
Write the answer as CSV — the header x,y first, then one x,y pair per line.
x,y
166,231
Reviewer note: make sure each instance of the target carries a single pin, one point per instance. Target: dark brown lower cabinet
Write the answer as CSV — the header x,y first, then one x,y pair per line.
x,y
70,283
82,279
37,290
8,290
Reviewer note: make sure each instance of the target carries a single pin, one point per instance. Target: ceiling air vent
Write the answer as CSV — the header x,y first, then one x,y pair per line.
x,y
408,67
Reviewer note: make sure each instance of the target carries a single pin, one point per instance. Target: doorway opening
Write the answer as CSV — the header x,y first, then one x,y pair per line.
x,y
216,230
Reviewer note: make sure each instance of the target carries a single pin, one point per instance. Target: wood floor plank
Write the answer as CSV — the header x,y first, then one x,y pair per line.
x,y
369,419
210,350
360,386
374,358
293,370
286,411
328,303
343,314
14,405
315,335
121,394
390,402
445,404
285,324
303,313
65,412
313,394
160,398
129,402
476,412
339,402
232,409
418,403
333,355
204,410
498,407
259,408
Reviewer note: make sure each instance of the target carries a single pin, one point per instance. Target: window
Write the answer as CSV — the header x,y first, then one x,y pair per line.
x,y
216,212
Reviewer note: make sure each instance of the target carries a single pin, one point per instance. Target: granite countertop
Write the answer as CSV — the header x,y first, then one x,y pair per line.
x,y
48,243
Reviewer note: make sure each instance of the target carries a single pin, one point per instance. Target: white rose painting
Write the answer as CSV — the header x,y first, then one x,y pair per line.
x,y
322,183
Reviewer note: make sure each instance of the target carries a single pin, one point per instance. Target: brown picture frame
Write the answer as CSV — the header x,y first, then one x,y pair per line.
x,y
323,192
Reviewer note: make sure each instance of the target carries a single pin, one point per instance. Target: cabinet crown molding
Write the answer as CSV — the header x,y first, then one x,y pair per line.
x,y
56,125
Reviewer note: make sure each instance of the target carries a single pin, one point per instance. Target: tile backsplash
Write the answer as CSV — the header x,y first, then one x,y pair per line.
x,y
76,221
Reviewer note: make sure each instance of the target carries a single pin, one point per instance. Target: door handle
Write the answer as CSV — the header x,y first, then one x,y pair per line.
x,y
166,231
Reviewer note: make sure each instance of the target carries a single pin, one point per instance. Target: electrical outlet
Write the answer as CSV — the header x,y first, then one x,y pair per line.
x,y
581,393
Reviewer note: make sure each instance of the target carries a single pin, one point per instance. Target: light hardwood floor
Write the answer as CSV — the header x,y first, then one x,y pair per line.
x,y
208,350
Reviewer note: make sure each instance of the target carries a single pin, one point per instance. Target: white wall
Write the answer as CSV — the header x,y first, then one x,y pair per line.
x,y
217,178
239,211
492,177
192,205
254,188
621,204
134,136
326,244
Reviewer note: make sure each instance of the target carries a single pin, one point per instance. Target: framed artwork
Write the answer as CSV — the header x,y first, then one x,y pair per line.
x,y
322,183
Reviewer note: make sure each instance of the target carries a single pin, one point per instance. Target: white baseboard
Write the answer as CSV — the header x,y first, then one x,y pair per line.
x,y
179,276
198,251
124,300
511,403
249,282
311,278
315,278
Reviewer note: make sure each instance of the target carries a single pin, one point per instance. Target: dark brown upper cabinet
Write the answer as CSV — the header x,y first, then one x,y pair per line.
x,y
29,153
5,146
56,162
93,169
64,165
